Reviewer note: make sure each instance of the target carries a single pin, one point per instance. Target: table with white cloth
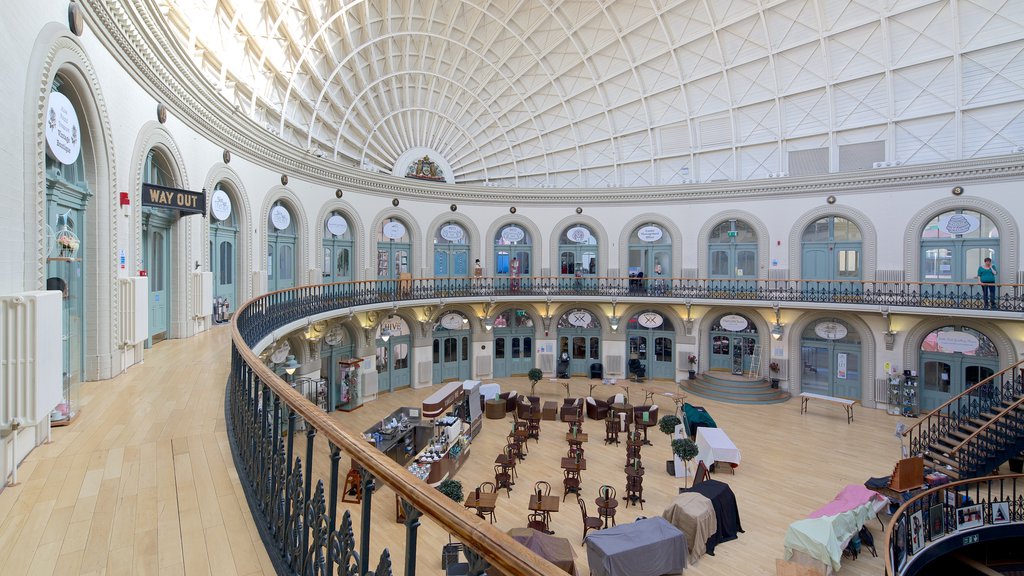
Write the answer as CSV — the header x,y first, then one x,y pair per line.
x,y
694,514
713,445
826,532
648,547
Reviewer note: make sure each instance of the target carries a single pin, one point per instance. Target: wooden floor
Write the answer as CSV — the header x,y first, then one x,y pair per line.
x,y
143,482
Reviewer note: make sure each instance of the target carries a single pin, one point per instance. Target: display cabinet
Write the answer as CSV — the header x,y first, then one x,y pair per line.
x,y
345,387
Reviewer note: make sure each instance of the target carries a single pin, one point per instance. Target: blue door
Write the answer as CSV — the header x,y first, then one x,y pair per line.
x,y
583,348
393,363
156,260
450,355
513,354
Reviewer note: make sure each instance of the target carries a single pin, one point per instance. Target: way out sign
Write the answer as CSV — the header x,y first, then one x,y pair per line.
x,y
163,197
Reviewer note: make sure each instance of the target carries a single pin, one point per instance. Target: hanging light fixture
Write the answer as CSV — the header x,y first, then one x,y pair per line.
x,y
290,366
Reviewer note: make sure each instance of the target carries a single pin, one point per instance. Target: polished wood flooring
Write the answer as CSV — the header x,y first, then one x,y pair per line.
x,y
143,481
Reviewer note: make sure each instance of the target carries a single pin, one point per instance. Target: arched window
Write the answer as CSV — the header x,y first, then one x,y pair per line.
x,y
954,244
954,358
650,252
223,242
832,251
513,251
394,246
732,250
451,251
282,233
577,251
338,249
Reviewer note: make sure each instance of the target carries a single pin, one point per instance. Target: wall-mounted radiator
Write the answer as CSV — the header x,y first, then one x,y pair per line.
x,y
202,294
134,310
30,356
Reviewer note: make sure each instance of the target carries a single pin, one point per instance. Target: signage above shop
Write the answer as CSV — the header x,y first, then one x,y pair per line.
x,y
733,322
649,234
394,230
650,320
580,318
163,197
337,225
579,235
512,234
957,342
220,205
452,321
452,233
959,224
280,217
63,134
830,330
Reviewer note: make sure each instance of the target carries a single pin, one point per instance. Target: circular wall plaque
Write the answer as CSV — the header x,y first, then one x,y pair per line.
x,y
957,342
226,156
453,207
453,233
75,21
338,193
580,318
452,321
513,234
579,235
161,113
733,322
831,199
333,337
579,210
220,205
958,190
512,210
393,230
280,217
649,234
394,201
830,330
650,320
284,179
337,225
958,224
63,134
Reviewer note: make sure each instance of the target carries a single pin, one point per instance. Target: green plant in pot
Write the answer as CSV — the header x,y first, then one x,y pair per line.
x,y
534,375
686,450
667,424
452,489
774,368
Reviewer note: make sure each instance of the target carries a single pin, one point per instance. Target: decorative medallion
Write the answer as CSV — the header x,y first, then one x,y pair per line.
x,y
284,179
226,156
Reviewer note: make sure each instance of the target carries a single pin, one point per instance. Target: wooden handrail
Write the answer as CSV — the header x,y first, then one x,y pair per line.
x,y
1002,413
887,548
484,538
924,418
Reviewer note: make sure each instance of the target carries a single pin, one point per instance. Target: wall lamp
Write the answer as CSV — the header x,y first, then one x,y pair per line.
x,y
890,334
777,328
290,366
488,323
614,320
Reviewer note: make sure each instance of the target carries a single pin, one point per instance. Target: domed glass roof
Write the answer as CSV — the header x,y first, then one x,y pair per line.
x,y
588,93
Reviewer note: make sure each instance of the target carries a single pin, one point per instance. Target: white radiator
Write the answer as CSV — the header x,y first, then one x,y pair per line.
x,y
483,365
547,363
259,283
614,366
30,356
134,310
424,372
202,294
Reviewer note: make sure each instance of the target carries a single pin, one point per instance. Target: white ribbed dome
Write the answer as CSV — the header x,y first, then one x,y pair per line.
x,y
580,93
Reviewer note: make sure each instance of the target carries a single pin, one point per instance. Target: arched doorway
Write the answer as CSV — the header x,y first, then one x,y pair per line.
x,y
450,349
338,249
282,234
451,251
954,358
513,254
651,341
650,255
157,238
579,341
335,347
732,254
577,251
67,198
832,253
513,343
394,246
734,342
830,354
224,244
394,340
954,244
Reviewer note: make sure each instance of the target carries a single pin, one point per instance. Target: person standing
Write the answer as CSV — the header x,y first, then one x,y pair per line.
x,y
987,277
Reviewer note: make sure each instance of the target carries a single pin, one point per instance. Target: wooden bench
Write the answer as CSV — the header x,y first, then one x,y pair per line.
x,y
845,402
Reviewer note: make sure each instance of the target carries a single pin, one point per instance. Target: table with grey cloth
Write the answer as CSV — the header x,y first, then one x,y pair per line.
x,y
648,547
695,516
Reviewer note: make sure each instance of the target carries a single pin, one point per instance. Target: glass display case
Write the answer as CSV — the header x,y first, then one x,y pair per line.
x,y
345,386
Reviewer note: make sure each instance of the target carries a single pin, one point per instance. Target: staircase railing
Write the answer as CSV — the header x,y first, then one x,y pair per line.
x,y
989,446
988,395
942,519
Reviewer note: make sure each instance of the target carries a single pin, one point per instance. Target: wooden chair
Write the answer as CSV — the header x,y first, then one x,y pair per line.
x,y
512,454
575,450
632,451
571,482
701,474
589,522
533,426
503,479
635,490
538,521
606,491
544,487
487,512
611,431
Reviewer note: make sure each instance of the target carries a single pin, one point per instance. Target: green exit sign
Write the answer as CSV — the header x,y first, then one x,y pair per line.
x,y
971,539
732,233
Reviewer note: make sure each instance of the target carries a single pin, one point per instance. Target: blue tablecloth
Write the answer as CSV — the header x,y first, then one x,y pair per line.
x,y
648,547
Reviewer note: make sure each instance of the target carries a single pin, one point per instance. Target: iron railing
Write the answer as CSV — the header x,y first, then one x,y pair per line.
x,y
299,520
936,521
993,407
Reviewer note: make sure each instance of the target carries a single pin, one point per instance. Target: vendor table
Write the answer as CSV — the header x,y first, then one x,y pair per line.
x,y
714,445
695,516
727,515
648,547
827,530
697,416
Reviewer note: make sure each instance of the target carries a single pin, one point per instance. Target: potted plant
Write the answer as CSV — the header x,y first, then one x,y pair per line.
x,y
684,449
692,359
667,424
534,375
452,489
774,368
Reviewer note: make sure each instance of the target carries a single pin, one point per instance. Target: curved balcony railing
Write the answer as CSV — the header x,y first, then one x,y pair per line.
x,y
937,521
301,520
